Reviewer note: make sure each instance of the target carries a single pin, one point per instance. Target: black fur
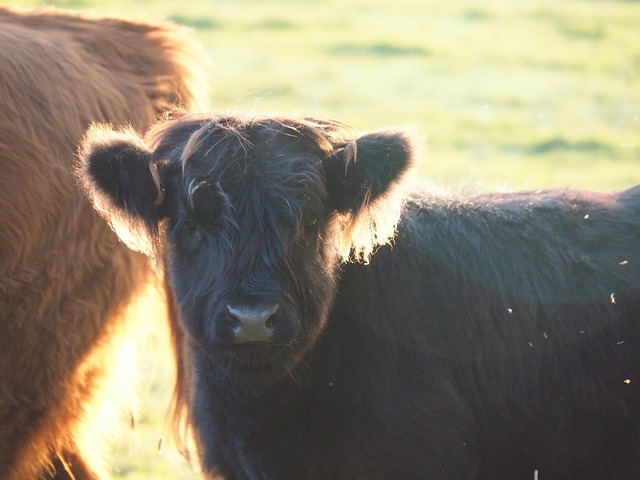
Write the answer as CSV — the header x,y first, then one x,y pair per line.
x,y
497,335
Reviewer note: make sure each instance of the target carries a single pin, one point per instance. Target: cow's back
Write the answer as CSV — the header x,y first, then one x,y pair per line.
x,y
528,304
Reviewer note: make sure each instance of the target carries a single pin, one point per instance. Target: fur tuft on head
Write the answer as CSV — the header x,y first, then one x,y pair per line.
x,y
373,226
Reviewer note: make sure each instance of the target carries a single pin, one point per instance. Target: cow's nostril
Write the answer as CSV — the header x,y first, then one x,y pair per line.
x,y
273,318
252,324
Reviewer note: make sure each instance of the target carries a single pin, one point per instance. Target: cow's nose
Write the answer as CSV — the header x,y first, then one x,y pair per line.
x,y
252,324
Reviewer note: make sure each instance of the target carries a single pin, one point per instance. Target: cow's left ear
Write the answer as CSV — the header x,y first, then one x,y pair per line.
x,y
364,170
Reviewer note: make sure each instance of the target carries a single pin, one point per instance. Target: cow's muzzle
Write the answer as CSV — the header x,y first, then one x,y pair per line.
x,y
261,323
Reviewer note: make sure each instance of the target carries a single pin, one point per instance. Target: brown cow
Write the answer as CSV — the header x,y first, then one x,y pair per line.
x,y
67,286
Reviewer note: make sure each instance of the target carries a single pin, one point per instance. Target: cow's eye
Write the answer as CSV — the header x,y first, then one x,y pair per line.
x,y
307,234
190,224
310,223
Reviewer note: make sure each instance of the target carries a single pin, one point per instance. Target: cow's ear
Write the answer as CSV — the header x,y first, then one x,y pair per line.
x,y
364,170
118,176
362,180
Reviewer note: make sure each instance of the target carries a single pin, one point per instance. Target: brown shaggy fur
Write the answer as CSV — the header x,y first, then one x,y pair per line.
x,y
67,285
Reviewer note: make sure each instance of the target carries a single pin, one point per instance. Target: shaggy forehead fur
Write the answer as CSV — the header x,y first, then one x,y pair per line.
x,y
200,142
258,167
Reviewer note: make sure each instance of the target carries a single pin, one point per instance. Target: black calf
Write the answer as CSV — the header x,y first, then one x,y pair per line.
x,y
494,337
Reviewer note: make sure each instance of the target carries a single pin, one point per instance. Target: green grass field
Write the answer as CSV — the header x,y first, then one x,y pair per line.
x,y
510,94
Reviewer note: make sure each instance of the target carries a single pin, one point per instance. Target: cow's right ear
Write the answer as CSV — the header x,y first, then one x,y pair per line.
x,y
118,176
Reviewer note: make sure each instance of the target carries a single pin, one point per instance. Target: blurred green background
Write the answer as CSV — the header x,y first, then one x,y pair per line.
x,y
508,94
